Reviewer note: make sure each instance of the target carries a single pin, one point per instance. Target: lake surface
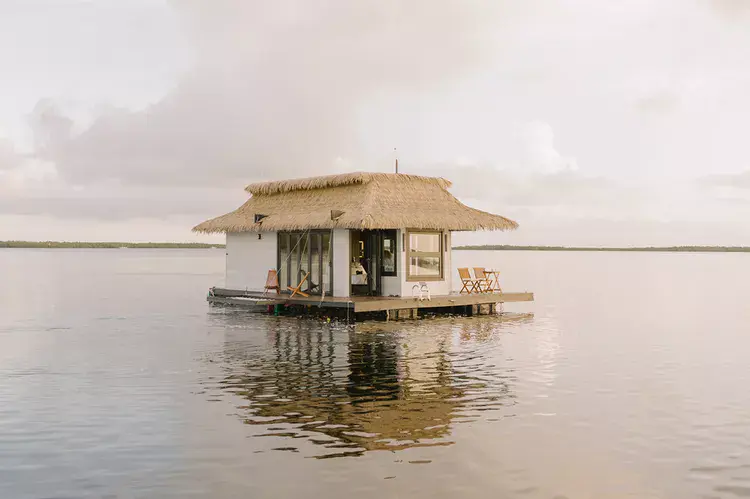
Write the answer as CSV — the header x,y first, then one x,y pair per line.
x,y
628,377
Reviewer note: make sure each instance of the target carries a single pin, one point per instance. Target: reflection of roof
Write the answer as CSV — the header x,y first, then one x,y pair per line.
x,y
405,419
394,424
359,201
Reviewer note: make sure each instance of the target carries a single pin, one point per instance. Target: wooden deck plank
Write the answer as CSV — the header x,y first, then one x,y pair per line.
x,y
328,301
379,303
259,305
439,301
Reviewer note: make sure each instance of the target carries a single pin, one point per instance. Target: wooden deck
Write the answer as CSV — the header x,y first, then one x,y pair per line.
x,y
364,304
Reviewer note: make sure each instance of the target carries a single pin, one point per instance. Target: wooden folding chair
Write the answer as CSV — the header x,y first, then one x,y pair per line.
x,y
311,286
272,281
484,280
296,290
469,284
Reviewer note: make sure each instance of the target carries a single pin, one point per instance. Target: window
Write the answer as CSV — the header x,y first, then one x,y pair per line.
x,y
284,248
300,253
389,253
425,256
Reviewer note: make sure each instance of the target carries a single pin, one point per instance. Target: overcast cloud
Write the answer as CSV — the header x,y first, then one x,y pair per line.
x,y
588,122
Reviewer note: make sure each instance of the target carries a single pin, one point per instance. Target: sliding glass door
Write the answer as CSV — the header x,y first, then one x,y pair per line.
x,y
315,279
306,254
326,246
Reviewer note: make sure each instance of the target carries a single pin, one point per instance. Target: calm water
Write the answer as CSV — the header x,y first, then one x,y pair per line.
x,y
627,378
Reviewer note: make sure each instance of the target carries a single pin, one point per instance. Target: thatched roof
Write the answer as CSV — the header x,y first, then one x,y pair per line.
x,y
355,201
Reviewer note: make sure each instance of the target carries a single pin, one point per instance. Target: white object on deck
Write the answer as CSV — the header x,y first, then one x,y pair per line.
x,y
423,289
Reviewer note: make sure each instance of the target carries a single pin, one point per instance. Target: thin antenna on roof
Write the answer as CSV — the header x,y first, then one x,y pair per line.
x,y
394,151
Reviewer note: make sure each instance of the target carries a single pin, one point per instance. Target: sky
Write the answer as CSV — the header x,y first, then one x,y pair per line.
x,y
597,123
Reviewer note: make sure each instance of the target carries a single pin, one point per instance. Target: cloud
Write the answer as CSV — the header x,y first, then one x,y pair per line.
x,y
276,89
659,102
500,188
119,203
51,128
595,231
9,158
730,9
532,173
44,228
538,152
19,171
731,180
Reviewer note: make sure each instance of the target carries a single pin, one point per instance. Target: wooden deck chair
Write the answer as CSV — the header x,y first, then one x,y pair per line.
x,y
469,285
484,281
296,290
272,281
311,286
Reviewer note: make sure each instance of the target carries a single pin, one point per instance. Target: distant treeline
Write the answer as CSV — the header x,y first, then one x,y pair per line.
x,y
684,249
113,245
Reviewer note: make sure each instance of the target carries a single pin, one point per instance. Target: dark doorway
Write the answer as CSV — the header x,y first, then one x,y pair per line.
x,y
373,256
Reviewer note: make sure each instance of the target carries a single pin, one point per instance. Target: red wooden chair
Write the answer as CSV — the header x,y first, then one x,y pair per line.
x,y
272,281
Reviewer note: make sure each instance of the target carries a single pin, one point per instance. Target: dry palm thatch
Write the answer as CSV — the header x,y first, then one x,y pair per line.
x,y
355,201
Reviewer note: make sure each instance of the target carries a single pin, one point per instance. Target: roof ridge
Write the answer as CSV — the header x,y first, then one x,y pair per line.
x,y
338,180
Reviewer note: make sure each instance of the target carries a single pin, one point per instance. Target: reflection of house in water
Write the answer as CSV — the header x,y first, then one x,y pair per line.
x,y
405,402
349,391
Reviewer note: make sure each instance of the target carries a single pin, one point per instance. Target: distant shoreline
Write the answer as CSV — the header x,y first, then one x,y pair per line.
x,y
655,249
104,245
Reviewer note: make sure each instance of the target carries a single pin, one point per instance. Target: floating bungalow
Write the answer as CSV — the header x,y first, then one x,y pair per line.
x,y
357,243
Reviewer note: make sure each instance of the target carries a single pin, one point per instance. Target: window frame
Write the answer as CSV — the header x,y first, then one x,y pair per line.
x,y
308,234
439,254
391,235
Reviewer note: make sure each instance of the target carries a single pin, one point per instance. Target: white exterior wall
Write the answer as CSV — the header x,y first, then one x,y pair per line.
x,y
392,285
249,259
341,258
